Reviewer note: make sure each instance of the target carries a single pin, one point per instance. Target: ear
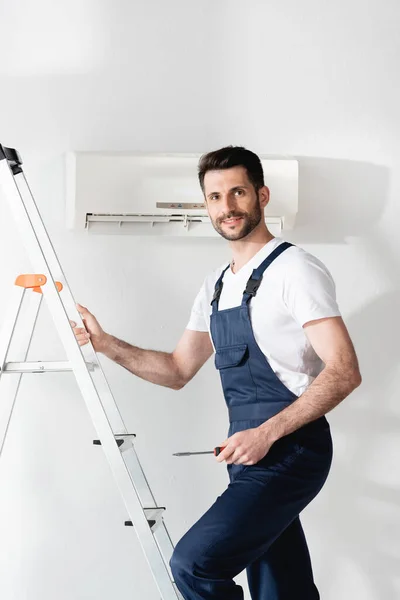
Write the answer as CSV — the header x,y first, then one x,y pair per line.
x,y
263,194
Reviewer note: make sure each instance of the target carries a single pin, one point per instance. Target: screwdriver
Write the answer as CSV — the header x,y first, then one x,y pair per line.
x,y
216,452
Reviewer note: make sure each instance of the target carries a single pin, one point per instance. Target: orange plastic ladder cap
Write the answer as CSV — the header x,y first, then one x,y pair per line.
x,y
59,286
30,280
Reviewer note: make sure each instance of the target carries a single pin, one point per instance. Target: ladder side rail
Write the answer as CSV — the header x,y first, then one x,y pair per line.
x,y
9,324
23,338
142,485
165,544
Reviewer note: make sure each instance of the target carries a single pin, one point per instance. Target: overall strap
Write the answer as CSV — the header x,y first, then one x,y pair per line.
x,y
218,289
256,277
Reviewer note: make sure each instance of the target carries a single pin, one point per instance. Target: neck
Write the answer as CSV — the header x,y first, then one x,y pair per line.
x,y
244,250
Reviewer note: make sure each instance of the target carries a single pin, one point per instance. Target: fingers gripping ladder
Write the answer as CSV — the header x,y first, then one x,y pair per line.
x,y
49,281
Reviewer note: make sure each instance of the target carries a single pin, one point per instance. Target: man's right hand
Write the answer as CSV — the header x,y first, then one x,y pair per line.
x,y
92,330
170,369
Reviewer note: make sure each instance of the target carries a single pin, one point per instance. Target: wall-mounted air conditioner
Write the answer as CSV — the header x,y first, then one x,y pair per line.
x,y
159,194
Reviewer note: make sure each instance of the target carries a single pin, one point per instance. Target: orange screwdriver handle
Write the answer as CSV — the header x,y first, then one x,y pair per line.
x,y
218,450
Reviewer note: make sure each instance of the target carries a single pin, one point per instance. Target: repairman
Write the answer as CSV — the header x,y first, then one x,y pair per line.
x,y
285,359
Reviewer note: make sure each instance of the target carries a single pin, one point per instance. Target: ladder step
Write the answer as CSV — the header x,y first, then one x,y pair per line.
x,y
124,440
41,367
153,516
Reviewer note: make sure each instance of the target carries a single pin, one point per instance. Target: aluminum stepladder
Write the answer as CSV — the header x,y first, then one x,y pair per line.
x,y
49,281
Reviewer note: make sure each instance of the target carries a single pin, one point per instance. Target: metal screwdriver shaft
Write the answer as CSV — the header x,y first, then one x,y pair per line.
x,y
192,453
216,452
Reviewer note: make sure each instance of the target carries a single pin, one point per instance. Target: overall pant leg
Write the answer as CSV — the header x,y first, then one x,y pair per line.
x,y
259,504
284,572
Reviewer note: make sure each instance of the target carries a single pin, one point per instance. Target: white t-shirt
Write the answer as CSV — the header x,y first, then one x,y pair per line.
x,y
296,288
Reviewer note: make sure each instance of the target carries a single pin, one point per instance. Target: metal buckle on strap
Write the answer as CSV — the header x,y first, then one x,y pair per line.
x,y
252,286
217,294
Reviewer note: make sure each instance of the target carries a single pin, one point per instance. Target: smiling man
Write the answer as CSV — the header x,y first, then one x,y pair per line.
x,y
285,359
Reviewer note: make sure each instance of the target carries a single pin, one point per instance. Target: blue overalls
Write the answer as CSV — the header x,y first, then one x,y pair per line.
x,y
254,524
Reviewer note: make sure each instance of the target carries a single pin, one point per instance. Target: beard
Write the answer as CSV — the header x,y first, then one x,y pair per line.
x,y
249,223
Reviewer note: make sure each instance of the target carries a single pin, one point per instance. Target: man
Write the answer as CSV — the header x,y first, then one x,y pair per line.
x,y
285,360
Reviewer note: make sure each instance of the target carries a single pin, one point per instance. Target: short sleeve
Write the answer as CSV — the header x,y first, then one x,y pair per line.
x,y
310,291
197,321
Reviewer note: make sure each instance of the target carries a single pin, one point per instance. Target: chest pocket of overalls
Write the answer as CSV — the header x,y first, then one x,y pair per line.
x,y
233,365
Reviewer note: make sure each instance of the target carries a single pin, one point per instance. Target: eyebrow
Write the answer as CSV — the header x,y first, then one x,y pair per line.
x,y
237,187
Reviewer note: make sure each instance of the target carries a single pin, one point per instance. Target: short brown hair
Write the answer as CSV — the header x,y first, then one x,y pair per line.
x,y
232,156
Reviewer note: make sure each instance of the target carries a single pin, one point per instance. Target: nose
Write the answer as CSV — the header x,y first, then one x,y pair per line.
x,y
228,204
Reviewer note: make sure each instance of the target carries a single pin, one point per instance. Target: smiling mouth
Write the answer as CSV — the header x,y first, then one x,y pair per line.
x,y
232,221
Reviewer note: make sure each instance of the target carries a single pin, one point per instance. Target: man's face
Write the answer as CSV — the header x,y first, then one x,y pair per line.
x,y
234,207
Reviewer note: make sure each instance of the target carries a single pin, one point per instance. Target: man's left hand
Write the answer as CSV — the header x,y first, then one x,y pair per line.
x,y
246,447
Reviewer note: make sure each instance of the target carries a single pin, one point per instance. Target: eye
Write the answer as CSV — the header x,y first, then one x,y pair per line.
x,y
239,192
214,197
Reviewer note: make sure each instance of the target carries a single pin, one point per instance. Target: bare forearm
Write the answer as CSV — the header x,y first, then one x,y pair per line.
x,y
328,389
151,365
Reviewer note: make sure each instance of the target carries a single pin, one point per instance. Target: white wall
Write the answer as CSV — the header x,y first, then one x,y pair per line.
x,y
314,79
